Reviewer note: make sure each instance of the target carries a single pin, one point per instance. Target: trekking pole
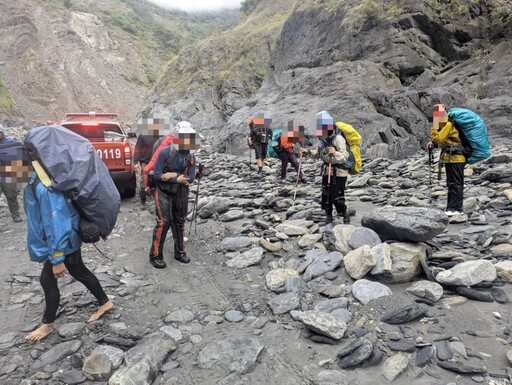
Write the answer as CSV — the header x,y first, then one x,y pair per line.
x,y
430,161
297,181
196,201
250,158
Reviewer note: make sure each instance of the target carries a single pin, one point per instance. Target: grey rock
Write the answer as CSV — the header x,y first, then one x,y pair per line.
x,y
501,174
468,273
406,224
382,255
406,261
97,367
143,362
232,215
357,357
309,240
295,284
458,367
321,264
246,259
402,345
57,353
350,347
169,365
276,278
235,243
329,305
284,303
443,350
426,289
180,315
72,377
459,348
324,324
296,315
234,354
340,234
365,291
233,316
424,355
358,262
71,329
343,315
294,227
172,333
115,355
362,236
215,205
394,366
405,314
474,294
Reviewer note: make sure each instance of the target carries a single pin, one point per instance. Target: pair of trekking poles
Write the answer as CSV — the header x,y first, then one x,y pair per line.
x,y
193,220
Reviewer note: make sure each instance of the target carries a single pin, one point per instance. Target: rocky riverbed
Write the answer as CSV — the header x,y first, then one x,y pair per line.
x,y
273,296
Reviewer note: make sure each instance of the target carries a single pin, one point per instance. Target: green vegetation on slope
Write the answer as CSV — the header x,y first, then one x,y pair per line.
x,y
7,106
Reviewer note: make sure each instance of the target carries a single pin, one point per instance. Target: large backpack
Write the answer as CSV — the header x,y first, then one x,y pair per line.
x,y
74,167
274,145
353,139
473,132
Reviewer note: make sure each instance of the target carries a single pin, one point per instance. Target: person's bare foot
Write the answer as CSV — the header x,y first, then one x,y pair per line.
x,y
102,310
40,333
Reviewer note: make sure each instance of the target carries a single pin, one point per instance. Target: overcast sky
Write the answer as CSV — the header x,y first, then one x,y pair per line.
x,y
198,5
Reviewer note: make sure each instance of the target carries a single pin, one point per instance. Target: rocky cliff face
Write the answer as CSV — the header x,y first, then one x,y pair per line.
x,y
88,55
379,69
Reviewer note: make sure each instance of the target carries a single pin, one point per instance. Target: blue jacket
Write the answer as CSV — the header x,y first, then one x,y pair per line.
x,y
180,163
52,223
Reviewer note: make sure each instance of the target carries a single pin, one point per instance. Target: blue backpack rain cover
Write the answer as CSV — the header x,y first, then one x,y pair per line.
x,y
273,146
474,129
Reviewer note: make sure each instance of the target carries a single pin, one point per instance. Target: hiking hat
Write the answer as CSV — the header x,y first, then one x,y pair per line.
x,y
185,128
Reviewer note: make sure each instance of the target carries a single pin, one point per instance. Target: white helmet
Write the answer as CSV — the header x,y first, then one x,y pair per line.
x,y
185,128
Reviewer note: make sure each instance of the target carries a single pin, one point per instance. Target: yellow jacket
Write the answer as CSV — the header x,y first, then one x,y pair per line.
x,y
447,137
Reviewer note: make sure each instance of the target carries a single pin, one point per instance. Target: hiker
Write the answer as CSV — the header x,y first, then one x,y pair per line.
x,y
144,148
447,137
333,152
54,240
286,150
174,172
259,136
10,190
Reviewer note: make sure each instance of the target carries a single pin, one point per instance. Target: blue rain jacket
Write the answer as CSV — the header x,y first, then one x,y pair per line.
x,y
52,223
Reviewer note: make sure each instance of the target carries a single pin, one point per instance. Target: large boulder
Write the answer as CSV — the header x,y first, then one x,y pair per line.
x,y
340,235
405,262
358,262
406,224
468,273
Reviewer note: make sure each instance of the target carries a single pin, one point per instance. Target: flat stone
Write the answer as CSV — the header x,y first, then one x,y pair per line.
x,y
468,273
273,247
232,215
426,289
180,315
402,345
291,229
405,314
444,352
424,356
174,334
284,303
394,366
363,236
406,224
324,324
308,241
214,205
458,367
458,348
246,259
57,353
329,305
115,355
499,295
365,291
357,357
97,367
359,262
70,329
235,243
342,314
169,365
276,278
350,347
233,316
72,377
474,294
233,354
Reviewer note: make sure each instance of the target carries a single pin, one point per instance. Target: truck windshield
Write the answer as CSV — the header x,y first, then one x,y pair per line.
x,y
94,131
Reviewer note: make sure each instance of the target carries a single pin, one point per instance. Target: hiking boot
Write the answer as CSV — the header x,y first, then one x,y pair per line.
x,y
346,218
157,262
16,218
182,257
328,219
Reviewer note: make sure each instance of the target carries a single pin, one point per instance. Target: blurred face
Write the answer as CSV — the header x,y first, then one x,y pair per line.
x,y
16,172
295,132
439,116
261,121
153,124
188,142
1,135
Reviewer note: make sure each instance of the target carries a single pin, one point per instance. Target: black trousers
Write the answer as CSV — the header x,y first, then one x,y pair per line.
x,y
455,183
171,213
334,195
77,269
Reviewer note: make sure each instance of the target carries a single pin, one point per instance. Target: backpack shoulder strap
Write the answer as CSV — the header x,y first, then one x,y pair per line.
x,y
172,155
41,174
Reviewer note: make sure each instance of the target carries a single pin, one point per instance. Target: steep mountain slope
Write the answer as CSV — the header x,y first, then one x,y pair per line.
x,y
379,65
63,55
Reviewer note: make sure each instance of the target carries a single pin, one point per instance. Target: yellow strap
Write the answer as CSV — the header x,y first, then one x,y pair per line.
x,y
43,176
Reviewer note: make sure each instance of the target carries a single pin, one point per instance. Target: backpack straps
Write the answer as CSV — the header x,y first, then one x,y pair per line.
x,y
41,174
